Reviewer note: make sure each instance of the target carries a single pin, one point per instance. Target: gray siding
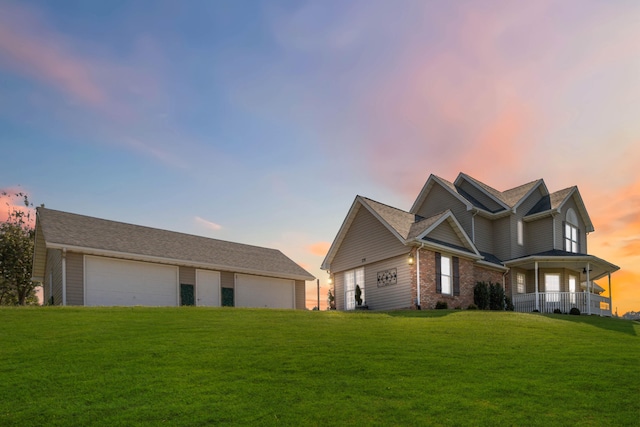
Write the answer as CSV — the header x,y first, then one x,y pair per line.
x,y
483,234
187,275
439,200
502,238
538,235
301,298
75,278
366,241
560,220
529,237
338,287
227,279
388,297
445,233
53,276
481,196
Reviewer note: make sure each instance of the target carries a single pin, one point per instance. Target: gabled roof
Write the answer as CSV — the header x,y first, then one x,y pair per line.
x,y
408,228
489,191
554,203
436,180
110,238
509,199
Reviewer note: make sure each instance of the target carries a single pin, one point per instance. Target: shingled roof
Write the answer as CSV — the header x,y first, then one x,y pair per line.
x,y
95,235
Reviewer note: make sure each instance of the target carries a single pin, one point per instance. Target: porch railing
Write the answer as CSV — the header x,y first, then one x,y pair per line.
x,y
564,301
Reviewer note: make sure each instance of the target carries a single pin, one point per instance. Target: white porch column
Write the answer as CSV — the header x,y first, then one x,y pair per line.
x,y
537,298
588,292
610,299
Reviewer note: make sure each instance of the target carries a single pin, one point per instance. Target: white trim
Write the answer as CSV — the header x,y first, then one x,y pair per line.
x,y
448,215
530,192
492,265
473,182
175,262
427,188
64,276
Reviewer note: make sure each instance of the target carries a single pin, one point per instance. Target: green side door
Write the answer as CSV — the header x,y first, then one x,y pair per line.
x,y
187,295
227,297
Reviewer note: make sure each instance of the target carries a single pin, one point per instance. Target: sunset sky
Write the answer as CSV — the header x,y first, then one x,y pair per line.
x,y
260,121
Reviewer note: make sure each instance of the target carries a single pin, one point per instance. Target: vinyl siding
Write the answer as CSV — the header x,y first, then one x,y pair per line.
x,y
187,275
439,200
560,220
445,233
53,276
528,236
75,278
300,295
392,296
338,288
481,196
366,241
502,238
40,255
227,279
483,234
538,235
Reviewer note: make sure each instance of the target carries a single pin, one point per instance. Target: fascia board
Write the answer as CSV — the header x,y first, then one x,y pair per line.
x,y
529,193
172,261
446,249
427,187
539,215
492,265
581,207
479,187
457,227
353,210
383,222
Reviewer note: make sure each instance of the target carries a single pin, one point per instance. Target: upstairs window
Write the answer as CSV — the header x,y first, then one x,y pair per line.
x,y
520,233
571,233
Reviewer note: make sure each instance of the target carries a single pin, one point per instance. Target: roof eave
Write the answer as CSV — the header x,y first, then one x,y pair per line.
x,y
174,261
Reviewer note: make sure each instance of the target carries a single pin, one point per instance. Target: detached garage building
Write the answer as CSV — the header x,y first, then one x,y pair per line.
x,y
82,260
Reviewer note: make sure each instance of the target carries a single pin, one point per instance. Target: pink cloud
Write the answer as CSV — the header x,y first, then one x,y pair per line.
x,y
30,47
207,224
319,248
10,202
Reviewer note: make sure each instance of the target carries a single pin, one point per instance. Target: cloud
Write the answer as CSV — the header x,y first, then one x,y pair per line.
x,y
207,224
30,47
11,201
319,248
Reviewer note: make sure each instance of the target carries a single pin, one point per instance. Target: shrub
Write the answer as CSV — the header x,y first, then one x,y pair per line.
x,y
442,305
496,296
481,295
536,311
575,311
472,307
509,304
557,311
358,295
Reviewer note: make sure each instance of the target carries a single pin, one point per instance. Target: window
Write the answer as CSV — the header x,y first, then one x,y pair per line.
x,y
447,274
521,283
571,232
352,279
572,288
552,287
520,233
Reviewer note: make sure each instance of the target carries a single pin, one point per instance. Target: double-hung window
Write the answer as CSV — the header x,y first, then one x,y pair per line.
x,y
447,274
571,232
521,283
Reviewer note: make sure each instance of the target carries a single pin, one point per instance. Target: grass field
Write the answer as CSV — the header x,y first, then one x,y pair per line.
x,y
196,366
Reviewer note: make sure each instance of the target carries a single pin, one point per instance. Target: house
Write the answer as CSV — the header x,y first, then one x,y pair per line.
x,y
456,234
82,260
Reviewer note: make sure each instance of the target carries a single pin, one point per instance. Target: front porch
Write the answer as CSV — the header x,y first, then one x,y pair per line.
x,y
547,302
559,280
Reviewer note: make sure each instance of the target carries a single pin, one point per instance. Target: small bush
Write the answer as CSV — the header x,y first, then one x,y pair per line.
x,y
509,304
557,311
496,296
472,307
536,311
574,311
481,295
442,305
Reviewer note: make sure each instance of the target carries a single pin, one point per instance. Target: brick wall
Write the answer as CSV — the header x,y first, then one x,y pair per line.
x,y
470,274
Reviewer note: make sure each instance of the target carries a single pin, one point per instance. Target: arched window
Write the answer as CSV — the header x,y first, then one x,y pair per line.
x,y
571,232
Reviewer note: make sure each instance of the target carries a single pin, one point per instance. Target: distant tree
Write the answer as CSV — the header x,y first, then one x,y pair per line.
x,y
331,299
16,255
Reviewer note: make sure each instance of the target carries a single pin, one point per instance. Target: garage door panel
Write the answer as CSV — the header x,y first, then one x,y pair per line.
x,y
208,288
259,291
126,283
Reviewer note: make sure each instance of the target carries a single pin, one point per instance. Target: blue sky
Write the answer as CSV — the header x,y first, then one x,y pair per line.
x,y
260,121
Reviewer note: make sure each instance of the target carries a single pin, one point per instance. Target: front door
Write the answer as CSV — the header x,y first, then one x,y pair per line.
x,y
187,296
227,297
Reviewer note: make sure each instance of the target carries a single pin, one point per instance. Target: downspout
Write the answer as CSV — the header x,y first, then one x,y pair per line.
x,y
473,227
504,286
64,276
418,305
553,219
610,299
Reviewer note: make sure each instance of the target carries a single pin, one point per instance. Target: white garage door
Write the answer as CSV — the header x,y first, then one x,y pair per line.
x,y
208,288
125,283
258,291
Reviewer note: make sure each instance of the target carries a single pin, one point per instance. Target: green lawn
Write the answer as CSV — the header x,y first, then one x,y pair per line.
x,y
197,366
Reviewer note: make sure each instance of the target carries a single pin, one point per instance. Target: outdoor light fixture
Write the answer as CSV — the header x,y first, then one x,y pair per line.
x,y
410,259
